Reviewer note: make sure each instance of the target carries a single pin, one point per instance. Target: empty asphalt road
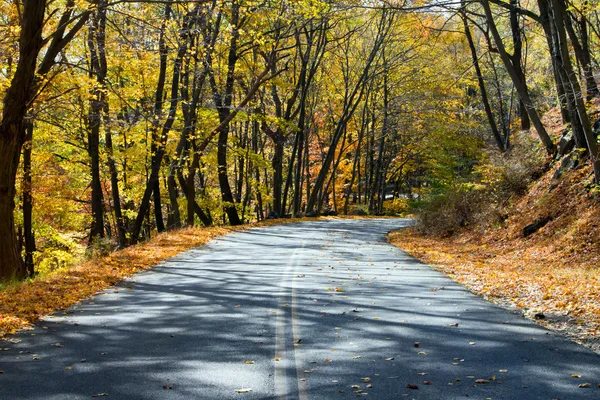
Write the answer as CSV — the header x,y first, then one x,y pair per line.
x,y
314,310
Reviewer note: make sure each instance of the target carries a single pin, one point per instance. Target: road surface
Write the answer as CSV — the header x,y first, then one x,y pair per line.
x,y
314,310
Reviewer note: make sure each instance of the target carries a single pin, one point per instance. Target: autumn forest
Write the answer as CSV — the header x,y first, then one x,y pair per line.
x,y
124,119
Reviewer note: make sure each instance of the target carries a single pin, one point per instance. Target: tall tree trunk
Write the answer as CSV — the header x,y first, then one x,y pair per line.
x,y
16,101
144,208
560,15
28,201
482,90
520,86
93,134
582,53
277,164
100,39
517,57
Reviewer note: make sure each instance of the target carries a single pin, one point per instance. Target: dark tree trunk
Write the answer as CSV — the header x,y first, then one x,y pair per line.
x,y
17,98
28,201
520,86
93,134
517,58
582,53
144,208
100,39
482,90
277,164
559,16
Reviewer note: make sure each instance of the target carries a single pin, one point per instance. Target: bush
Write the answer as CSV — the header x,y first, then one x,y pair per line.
x,y
396,206
359,210
494,182
101,247
457,207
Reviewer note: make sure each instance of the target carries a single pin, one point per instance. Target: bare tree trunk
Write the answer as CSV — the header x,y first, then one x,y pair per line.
x,y
28,201
520,86
481,82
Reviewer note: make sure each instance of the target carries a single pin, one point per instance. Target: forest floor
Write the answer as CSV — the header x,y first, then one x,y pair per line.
x,y
552,276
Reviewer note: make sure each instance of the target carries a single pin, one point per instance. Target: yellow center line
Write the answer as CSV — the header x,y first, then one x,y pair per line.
x,y
281,357
300,374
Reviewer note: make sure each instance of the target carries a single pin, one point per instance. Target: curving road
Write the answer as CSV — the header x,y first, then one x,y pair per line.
x,y
314,310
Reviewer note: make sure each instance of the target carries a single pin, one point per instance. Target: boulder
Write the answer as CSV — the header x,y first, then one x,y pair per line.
x,y
536,226
566,143
272,215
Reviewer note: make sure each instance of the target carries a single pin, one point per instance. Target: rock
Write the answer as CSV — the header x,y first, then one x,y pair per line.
x,y
539,316
272,215
566,143
536,226
330,212
596,127
570,162
359,212
312,214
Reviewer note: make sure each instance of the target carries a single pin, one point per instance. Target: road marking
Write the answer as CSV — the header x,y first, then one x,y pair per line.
x,y
281,353
296,336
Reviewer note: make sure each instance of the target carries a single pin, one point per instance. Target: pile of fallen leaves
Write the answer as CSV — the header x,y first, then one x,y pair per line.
x,y
552,275
24,303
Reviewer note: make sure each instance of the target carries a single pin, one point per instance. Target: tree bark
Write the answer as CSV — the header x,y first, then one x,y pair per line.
x,y
482,90
28,233
520,86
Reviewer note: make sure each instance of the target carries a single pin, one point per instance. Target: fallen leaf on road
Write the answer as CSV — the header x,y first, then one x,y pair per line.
x,y
389,359
100,395
575,376
482,381
585,385
366,379
70,367
243,390
248,362
411,386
